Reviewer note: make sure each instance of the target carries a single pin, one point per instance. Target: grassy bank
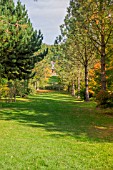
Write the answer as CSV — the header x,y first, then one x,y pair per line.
x,y
52,131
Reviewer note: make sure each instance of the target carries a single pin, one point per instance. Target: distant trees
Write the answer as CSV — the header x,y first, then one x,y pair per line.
x,y
67,68
42,70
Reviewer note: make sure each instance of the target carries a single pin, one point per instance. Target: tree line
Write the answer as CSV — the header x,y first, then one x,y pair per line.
x,y
82,53
86,40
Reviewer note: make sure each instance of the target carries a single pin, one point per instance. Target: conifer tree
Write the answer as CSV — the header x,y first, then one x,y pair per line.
x,y
20,41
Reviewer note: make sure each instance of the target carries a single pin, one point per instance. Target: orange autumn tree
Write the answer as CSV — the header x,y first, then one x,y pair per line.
x,y
94,78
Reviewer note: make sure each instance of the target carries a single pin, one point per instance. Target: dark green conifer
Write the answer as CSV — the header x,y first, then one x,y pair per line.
x,y
19,41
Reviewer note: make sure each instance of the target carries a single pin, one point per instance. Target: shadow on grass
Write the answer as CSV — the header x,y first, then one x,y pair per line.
x,y
62,115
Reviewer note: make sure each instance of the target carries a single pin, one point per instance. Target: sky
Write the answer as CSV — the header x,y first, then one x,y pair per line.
x,y
47,15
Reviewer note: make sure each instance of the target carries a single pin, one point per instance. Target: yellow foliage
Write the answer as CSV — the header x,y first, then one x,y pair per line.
x,y
4,90
24,26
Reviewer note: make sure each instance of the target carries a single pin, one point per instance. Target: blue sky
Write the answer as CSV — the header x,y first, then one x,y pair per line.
x,y
47,15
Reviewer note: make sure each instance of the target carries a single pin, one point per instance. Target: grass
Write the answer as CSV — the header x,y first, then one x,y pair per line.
x,y
53,131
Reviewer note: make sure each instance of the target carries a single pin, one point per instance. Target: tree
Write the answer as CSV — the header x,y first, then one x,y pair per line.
x,y
20,42
67,66
42,69
75,36
88,29
99,26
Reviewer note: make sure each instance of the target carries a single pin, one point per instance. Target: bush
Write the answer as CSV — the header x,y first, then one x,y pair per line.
x,y
111,97
104,99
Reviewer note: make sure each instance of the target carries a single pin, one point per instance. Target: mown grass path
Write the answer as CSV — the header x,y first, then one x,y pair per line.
x,y
53,131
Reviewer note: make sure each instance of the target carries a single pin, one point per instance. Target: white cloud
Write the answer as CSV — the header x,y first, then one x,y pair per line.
x,y
47,15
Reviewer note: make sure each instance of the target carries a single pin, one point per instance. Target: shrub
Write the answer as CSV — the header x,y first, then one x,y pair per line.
x,y
102,98
111,97
5,91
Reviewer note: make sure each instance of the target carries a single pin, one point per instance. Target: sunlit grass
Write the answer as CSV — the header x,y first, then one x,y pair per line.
x,y
53,131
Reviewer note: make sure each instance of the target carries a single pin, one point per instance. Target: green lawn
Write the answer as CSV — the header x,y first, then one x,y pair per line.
x,y
52,131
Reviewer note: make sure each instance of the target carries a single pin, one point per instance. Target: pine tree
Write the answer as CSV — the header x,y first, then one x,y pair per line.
x,y
20,42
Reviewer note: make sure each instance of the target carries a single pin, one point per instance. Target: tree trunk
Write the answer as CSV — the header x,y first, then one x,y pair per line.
x,y
26,82
24,86
86,84
78,83
14,90
0,91
0,84
103,72
35,84
73,89
68,89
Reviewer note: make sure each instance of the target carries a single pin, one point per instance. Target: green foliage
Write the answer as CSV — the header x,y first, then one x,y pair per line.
x,y
31,89
18,42
111,97
4,89
53,79
54,83
42,71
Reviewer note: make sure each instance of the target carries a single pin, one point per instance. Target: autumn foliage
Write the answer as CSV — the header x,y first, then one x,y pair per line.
x,y
104,99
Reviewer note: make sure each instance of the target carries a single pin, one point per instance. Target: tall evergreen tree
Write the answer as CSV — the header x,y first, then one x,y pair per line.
x,y
20,41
